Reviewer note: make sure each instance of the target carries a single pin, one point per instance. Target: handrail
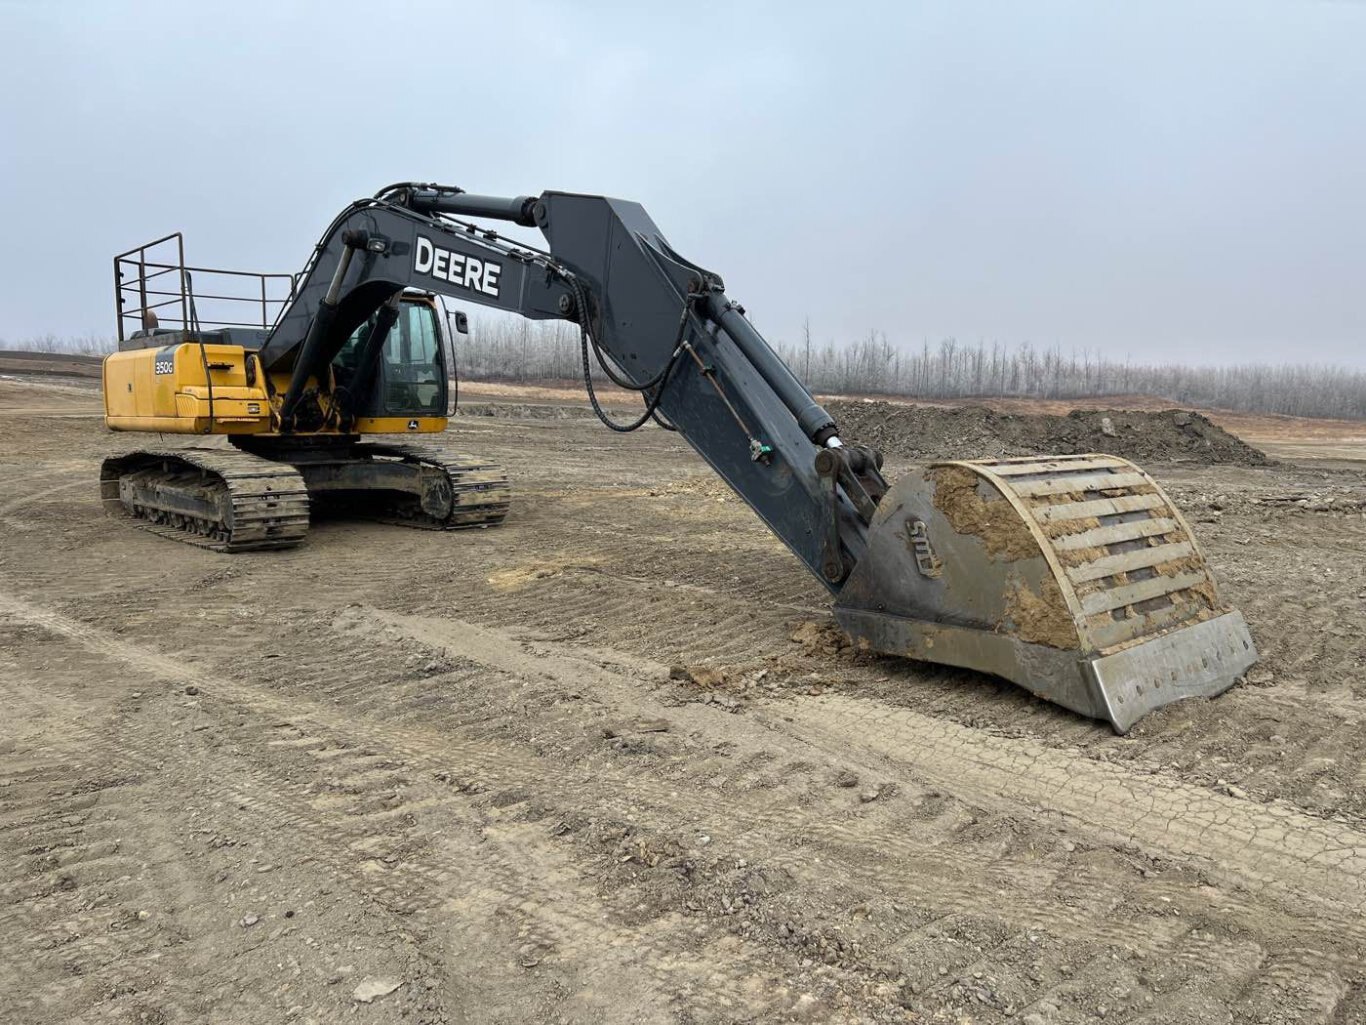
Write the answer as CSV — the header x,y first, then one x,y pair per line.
x,y
135,268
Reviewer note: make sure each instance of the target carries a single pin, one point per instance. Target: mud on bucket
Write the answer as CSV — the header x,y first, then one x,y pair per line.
x,y
1073,576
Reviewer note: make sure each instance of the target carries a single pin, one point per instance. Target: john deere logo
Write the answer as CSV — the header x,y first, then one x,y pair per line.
x,y
459,269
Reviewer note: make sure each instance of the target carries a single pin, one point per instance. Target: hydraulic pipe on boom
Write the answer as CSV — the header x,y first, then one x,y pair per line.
x,y
518,209
371,351
811,417
729,316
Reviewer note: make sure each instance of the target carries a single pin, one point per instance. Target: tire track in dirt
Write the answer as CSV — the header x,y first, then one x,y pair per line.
x,y
501,872
745,617
666,953
20,494
468,882
902,860
1298,741
82,906
899,862
1311,858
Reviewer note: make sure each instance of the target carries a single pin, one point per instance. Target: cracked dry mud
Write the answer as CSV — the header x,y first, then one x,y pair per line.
x,y
398,776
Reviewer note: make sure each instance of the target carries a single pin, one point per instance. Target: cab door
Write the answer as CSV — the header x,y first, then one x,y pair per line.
x,y
413,369
411,379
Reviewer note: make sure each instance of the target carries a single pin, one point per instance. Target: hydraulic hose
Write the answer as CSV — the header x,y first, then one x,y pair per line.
x,y
658,382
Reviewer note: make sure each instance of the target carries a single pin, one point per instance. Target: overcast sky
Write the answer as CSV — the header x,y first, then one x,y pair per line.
x,y
1160,180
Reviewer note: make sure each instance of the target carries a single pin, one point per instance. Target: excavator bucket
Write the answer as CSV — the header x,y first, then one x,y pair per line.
x,y
1073,576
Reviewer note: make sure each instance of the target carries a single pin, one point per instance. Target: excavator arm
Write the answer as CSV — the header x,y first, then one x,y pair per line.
x,y
1073,576
661,324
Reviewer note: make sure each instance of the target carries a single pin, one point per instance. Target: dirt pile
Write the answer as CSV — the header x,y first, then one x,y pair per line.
x,y
60,364
972,432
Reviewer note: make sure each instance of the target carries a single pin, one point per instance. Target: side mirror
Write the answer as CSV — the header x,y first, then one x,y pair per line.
x,y
459,321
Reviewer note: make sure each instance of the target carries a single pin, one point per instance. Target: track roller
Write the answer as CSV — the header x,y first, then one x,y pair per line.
x,y
224,500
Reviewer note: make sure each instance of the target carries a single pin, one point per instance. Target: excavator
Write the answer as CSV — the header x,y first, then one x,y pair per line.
x,y
1074,576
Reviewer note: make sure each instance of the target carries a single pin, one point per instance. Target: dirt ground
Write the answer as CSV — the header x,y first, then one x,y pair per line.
x,y
401,776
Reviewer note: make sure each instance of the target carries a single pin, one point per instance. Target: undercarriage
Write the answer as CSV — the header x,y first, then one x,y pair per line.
x,y
260,495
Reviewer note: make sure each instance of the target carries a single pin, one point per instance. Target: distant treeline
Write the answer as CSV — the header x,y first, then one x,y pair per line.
x,y
84,345
951,370
502,349
526,351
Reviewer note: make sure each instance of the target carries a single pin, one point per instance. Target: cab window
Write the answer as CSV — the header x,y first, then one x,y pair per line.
x,y
411,372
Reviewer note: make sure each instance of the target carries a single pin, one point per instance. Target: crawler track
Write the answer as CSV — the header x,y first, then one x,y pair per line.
x,y
229,500
224,500
479,490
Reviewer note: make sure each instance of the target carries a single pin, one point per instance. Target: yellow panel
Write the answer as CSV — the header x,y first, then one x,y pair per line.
x,y
167,389
400,424
119,373
161,424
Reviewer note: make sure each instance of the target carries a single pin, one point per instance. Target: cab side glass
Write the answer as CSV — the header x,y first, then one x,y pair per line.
x,y
411,379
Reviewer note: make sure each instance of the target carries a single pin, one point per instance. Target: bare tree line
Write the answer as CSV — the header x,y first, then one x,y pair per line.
x,y
499,348
504,349
952,370
78,345
525,351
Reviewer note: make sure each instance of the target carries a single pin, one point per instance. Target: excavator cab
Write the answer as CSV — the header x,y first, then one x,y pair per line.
x,y
413,368
188,339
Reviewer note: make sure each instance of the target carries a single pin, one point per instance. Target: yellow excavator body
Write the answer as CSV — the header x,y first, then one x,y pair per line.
x,y
179,376
187,388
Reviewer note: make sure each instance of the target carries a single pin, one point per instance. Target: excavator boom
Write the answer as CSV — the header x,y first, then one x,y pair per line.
x,y
662,323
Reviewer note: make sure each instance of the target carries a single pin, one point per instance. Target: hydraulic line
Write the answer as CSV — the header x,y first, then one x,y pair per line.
x,y
657,383
586,333
650,406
